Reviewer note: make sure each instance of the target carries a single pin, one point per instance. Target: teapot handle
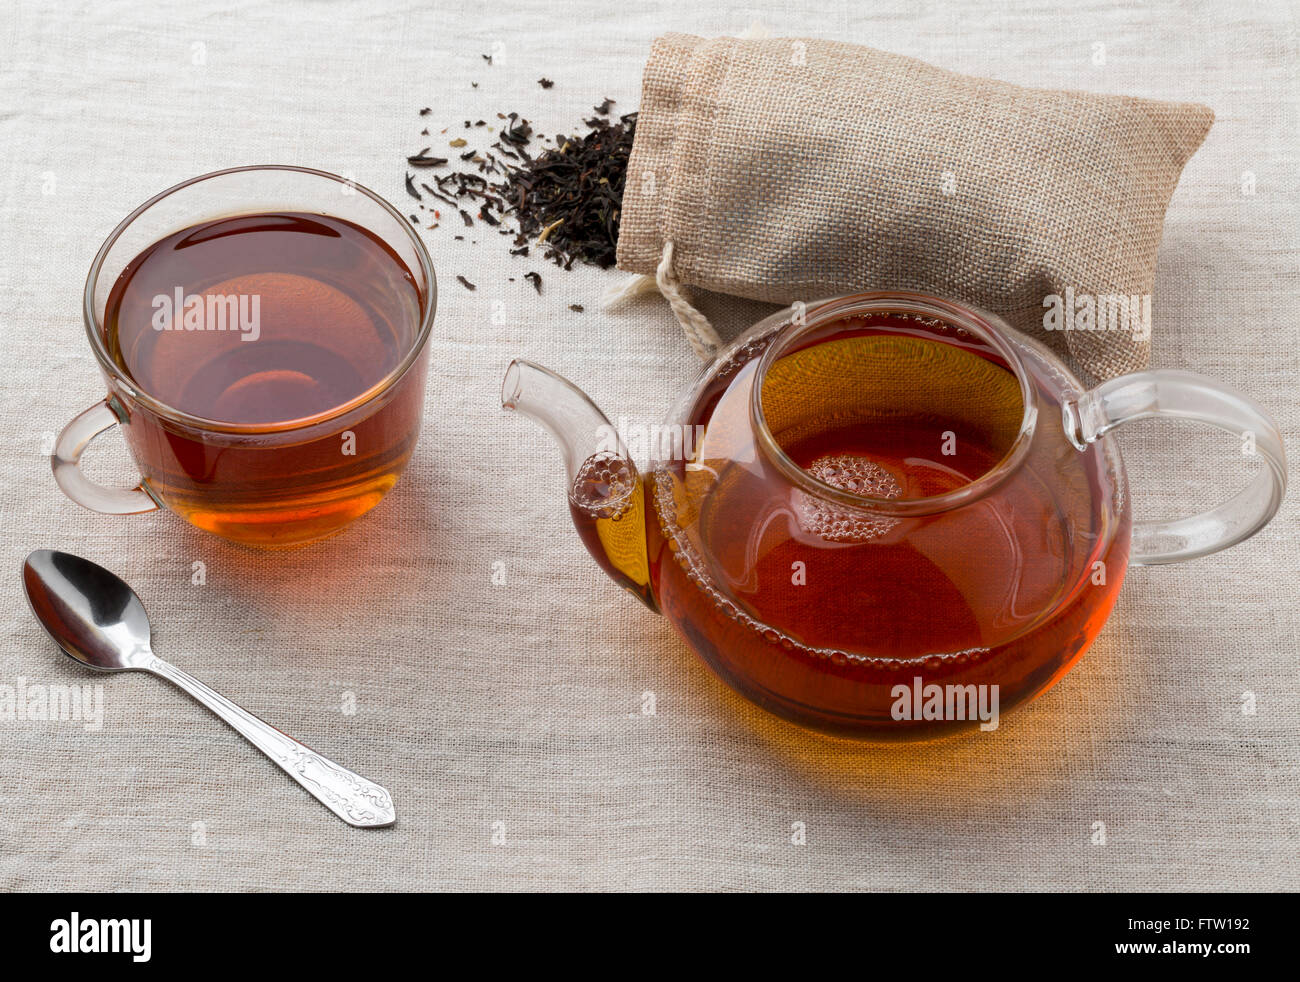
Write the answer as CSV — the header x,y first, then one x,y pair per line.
x,y
1184,395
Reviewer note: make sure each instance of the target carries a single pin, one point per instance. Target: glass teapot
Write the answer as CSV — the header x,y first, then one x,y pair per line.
x,y
888,515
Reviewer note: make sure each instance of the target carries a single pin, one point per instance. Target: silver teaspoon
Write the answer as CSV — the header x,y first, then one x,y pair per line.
x,y
99,621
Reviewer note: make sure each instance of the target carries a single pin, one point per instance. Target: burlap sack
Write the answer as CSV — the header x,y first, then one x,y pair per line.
x,y
786,170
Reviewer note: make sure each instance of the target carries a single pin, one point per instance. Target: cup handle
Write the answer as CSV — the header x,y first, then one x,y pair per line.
x,y
66,461
1184,395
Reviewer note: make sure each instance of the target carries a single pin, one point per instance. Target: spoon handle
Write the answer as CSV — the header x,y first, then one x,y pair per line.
x,y
348,795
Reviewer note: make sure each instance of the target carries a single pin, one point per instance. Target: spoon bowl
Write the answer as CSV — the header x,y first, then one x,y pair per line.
x,y
95,617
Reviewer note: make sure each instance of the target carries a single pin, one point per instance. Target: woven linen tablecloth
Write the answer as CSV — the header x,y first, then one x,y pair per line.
x,y
505,712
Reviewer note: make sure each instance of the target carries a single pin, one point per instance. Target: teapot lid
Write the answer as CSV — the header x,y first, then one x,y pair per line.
x,y
941,319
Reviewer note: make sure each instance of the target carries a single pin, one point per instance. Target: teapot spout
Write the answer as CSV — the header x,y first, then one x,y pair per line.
x,y
605,490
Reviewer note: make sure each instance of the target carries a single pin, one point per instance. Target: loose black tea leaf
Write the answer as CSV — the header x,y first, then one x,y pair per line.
x,y
410,188
469,222
518,134
577,307
466,283
535,279
545,83
604,107
487,58
425,111
437,194
422,159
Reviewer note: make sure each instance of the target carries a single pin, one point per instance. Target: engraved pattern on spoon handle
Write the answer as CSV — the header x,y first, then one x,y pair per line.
x,y
348,795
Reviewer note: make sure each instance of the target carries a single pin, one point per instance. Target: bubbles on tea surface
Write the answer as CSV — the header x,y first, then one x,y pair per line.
x,y
603,485
857,475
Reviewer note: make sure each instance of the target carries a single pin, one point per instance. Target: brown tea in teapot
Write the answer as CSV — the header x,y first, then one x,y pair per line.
x,y
1004,591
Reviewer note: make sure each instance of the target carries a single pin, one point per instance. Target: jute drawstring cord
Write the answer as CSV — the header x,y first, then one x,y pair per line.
x,y
699,332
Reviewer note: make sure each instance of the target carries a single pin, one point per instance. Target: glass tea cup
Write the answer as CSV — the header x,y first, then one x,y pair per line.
x,y
268,484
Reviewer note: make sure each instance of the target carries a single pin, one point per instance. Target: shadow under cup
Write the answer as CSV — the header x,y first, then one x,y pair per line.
x,y
261,483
